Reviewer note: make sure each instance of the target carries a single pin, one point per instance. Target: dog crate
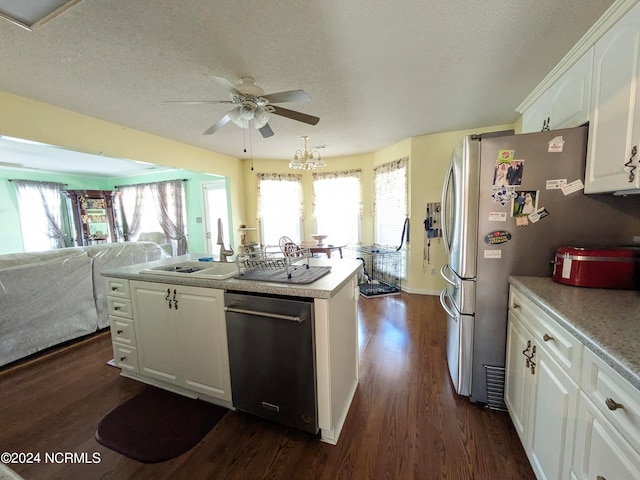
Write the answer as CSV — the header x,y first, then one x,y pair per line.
x,y
381,272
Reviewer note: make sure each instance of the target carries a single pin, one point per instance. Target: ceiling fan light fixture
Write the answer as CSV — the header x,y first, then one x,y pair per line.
x,y
307,159
260,117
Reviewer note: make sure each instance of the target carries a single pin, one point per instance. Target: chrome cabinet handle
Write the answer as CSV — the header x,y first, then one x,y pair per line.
x,y
612,404
546,337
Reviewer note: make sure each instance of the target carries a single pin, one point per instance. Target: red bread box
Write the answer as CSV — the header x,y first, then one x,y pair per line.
x,y
617,268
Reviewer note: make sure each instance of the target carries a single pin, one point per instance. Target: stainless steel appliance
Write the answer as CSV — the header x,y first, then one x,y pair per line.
x,y
272,358
489,234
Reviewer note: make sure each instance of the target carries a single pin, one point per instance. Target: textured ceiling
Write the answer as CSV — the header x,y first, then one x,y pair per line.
x,y
377,71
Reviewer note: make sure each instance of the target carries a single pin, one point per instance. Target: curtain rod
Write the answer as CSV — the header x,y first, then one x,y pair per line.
x,y
150,183
37,181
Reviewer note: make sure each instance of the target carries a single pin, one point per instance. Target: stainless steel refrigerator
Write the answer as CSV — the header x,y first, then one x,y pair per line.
x,y
508,203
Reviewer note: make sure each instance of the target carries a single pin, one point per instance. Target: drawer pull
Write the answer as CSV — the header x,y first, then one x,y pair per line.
x,y
119,332
122,359
546,337
516,305
113,289
116,308
612,404
600,477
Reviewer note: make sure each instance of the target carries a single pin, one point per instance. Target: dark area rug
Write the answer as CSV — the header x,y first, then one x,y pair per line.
x,y
157,425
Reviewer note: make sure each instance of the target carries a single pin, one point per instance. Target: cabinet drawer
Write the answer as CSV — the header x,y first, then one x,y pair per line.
x,y
602,385
118,288
120,307
125,357
563,347
123,331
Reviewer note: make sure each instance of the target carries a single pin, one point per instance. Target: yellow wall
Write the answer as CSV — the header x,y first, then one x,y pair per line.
x,y
430,156
24,118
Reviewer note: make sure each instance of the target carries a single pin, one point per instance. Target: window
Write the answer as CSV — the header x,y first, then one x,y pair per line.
x,y
40,207
390,202
156,207
338,215
390,209
280,207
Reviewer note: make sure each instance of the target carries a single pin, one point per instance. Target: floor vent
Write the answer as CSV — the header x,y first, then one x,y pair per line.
x,y
495,388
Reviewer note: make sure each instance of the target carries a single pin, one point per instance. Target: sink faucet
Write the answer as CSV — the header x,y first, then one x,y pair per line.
x,y
224,253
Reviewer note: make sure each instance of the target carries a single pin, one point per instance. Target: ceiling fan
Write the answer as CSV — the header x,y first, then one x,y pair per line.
x,y
253,107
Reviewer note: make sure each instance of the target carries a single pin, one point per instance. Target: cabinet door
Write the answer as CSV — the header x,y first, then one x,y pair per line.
x,y
517,382
570,95
534,118
600,451
553,407
614,126
156,329
203,336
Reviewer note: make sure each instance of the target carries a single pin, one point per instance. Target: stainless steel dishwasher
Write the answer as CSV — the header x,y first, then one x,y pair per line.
x,y
272,357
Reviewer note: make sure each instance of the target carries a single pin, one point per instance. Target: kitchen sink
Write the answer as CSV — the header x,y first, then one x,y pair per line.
x,y
217,270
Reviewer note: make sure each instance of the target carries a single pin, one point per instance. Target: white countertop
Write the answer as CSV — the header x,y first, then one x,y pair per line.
x,y
341,271
606,321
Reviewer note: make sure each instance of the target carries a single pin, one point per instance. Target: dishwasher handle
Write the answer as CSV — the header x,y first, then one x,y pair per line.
x,y
290,318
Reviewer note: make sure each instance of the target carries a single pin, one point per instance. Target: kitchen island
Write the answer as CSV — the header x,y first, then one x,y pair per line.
x,y
170,331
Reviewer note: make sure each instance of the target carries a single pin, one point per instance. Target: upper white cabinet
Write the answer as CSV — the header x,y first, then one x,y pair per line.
x,y
614,133
566,103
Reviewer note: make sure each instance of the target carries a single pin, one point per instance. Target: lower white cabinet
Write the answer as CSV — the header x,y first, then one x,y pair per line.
x,y
601,452
181,337
576,417
542,401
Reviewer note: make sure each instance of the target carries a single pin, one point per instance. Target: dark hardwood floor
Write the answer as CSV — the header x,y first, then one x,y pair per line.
x,y
406,421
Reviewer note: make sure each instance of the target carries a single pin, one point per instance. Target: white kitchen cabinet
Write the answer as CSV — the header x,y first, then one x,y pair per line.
x,y
123,334
614,130
566,103
540,392
600,451
181,337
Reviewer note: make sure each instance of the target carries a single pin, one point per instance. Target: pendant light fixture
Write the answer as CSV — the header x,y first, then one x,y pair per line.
x,y
307,159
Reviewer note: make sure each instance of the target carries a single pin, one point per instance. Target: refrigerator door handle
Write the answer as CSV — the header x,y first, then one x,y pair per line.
x,y
444,293
444,217
450,280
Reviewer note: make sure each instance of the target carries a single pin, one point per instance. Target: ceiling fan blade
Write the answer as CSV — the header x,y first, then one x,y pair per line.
x,y
195,102
290,96
293,115
266,131
226,84
218,125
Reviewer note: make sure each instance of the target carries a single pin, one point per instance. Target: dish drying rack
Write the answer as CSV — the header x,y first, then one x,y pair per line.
x,y
264,260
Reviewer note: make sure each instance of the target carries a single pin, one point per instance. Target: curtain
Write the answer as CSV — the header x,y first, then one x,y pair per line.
x,y
40,213
132,206
170,202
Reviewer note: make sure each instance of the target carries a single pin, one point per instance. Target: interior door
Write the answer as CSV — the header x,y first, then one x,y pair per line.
x,y
216,206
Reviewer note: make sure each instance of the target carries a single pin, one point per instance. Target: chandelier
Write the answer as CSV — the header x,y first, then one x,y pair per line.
x,y
307,159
